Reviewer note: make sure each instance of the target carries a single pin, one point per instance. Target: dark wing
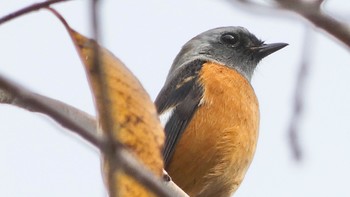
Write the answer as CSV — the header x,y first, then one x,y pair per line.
x,y
181,94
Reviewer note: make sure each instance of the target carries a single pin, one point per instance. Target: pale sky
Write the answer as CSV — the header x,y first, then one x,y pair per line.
x,y
38,158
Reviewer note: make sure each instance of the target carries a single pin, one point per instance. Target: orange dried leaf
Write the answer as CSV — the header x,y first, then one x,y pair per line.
x,y
136,124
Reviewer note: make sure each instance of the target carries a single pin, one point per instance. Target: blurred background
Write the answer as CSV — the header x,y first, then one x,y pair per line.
x,y
39,158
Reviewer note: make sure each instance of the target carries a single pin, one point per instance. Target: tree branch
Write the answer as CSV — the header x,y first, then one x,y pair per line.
x,y
310,10
313,13
31,8
85,126
142,175
68,116
105,114
299,94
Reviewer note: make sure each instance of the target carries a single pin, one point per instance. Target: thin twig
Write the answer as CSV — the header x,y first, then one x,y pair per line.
x,y
175,189
55,109
105,116
142,175
339,30
310,10
31,8
313,13
299,94
86,121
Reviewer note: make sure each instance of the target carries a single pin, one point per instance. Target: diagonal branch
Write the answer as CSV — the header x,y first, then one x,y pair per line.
x,y
31,8
85,126
145,177
68,116
310,10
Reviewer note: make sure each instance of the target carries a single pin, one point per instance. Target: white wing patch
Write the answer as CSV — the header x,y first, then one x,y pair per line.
x,y
165,116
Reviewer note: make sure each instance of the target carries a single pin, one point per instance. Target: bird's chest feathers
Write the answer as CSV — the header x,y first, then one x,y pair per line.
x,y
219,143
228,115
224,129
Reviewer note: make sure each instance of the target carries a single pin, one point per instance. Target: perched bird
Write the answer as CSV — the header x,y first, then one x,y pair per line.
x,y
211,111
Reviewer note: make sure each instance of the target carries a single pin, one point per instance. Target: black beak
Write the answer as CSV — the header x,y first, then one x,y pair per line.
x,y
266,49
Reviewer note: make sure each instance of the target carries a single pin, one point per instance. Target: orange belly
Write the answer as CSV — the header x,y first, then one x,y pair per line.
x,y
218,145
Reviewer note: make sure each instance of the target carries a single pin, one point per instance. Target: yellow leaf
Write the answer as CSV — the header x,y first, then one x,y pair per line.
x,y
136,124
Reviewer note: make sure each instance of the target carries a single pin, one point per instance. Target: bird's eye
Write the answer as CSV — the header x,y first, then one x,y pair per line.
x,y
229,38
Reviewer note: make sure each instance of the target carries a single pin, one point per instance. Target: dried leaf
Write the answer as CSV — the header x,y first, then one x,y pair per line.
x,y
136,124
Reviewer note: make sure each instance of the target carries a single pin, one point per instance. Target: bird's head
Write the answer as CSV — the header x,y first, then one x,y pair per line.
x,y
234,47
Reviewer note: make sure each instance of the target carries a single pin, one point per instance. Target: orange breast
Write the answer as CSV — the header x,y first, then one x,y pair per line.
x,y
218,145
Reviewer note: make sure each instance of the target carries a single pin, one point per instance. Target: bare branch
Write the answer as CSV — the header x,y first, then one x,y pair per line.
x,y
299,94
81,118
68,116
312,12
31,8
6,97
141,174
105,115
177,191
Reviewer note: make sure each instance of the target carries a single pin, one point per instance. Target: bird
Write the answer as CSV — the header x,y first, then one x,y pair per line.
x,y
210,111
